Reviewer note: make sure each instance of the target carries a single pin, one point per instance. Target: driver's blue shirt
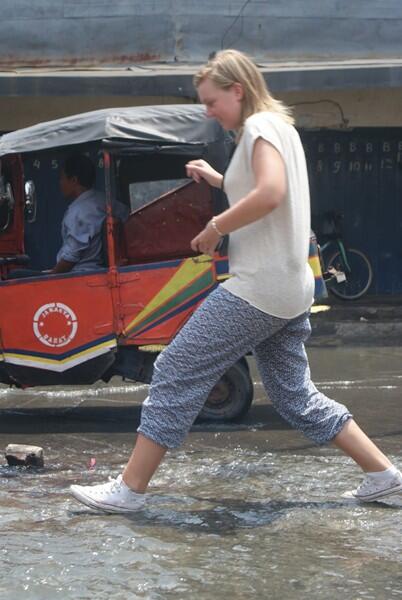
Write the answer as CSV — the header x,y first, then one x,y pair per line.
x,y
81,230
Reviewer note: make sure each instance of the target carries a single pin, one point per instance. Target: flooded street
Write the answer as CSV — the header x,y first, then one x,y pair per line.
x,y
250,510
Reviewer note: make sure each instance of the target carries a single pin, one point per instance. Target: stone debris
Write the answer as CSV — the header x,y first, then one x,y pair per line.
x,y
24,455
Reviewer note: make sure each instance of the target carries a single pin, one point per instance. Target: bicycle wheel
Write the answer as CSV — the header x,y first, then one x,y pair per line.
x,y
358,278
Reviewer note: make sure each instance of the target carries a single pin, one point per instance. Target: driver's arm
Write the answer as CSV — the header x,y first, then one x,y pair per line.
x,y
78,231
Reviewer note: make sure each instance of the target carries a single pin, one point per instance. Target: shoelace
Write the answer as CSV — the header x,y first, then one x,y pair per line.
x,y
372,485
116,484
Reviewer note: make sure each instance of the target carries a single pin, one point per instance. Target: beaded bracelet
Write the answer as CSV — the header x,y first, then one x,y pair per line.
x,y
216,228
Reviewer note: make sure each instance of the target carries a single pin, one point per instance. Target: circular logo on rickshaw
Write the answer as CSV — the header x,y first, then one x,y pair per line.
x,y
55,324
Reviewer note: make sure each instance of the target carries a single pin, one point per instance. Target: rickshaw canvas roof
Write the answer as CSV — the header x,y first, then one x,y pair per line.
x,y
169,124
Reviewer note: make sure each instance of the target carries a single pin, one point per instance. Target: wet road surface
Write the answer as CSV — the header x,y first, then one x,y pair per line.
x,y
250,510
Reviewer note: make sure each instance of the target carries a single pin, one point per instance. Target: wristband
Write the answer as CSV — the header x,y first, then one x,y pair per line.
x,y
216,228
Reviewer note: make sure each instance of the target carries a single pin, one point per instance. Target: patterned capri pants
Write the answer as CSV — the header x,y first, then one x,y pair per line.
x,y
222,330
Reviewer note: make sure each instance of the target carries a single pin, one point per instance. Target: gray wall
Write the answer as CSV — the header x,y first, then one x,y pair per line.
x,y
74,32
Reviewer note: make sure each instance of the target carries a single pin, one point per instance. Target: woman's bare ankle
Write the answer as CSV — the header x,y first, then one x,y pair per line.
x,y
356,444
137,486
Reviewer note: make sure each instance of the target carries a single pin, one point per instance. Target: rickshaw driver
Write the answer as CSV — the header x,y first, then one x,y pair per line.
x,y
81,228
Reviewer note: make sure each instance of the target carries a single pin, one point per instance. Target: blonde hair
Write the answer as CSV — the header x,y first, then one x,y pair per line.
x,y
231,66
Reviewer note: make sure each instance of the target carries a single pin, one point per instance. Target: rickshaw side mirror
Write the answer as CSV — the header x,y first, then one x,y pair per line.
x,y
30,202
7,204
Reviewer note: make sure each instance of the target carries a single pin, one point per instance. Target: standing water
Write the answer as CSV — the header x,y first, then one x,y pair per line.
x,y
250,510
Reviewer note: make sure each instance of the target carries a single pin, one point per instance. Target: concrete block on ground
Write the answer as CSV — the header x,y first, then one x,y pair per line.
x,y
24,455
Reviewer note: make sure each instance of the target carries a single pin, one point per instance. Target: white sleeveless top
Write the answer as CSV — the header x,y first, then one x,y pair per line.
x,y
268,259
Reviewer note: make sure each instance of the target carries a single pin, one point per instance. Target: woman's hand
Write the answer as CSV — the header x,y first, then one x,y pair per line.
x,y
206,241
199,169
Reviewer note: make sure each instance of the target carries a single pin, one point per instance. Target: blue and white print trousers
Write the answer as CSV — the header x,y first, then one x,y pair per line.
x,y
222,330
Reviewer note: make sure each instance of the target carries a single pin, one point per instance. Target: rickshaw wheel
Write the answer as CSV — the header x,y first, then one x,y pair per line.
x,y
231,397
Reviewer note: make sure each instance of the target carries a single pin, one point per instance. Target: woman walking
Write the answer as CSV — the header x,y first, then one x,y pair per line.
x,y
263,308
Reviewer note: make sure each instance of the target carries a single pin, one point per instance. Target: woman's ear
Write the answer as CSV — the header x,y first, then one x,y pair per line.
x,y
239,91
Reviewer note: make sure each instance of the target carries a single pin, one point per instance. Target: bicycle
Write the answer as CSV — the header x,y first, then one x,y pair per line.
x,y
347,271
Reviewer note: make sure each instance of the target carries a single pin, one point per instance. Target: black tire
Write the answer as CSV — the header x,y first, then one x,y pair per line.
x,y
231,397
357,281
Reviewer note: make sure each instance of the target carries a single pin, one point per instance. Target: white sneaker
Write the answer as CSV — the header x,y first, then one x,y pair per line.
x,y
114,496
370,490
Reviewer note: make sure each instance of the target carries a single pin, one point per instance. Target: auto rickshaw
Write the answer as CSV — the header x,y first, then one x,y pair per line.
x,y
77,328
81,327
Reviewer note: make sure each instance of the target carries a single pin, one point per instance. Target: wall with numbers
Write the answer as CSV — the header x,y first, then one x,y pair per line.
x,y
359,172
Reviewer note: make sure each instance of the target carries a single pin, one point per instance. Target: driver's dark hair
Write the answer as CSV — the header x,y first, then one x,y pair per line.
x,y
80,166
